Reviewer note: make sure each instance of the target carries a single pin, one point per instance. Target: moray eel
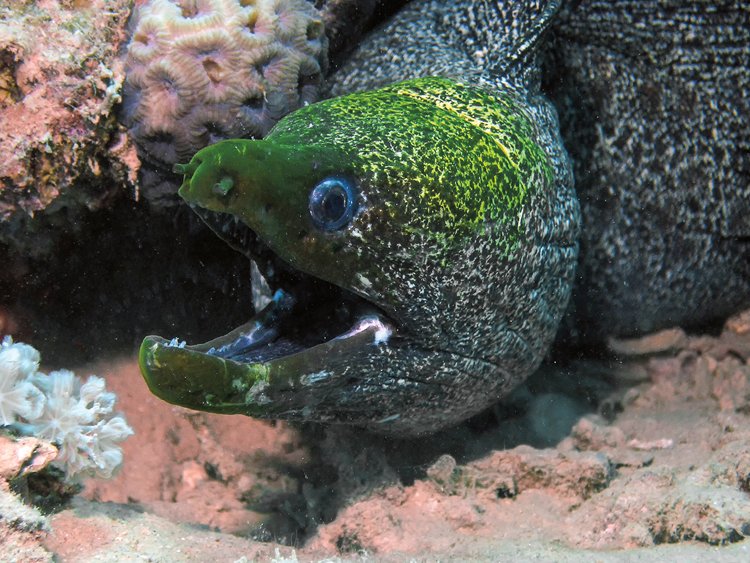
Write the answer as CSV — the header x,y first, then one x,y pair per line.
x,y
421,242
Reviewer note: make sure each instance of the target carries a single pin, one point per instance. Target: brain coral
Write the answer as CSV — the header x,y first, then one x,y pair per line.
x,y
199,71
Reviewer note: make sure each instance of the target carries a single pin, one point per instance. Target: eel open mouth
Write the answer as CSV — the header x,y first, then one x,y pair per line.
x,y
307,325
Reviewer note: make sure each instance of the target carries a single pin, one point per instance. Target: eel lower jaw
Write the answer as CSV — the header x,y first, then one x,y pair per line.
x,y
309,328
282,348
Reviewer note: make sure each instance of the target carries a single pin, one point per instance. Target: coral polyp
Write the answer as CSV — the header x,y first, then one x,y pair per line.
x,y
77,417
199,71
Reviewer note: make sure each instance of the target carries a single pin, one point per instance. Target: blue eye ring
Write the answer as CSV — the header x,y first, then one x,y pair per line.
x,y
333,203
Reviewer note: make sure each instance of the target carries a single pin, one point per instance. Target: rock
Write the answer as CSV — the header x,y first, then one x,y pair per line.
x,y
589,435
22,529
662,341
739,324
443,470
63,151
572,474
26,455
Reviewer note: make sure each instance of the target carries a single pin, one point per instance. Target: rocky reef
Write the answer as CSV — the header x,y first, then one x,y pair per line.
x,y
661,472
63,151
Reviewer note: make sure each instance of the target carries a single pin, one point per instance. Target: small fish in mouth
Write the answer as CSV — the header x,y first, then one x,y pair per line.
x,y
419,245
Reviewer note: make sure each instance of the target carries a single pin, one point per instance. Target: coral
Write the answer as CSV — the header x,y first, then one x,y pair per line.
x,y
77,417
199,71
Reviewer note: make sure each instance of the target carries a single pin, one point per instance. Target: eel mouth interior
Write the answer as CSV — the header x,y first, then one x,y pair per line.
x,y
303,312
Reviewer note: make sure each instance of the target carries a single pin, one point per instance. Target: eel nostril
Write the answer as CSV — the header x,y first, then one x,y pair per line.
x,y
187,169
223,186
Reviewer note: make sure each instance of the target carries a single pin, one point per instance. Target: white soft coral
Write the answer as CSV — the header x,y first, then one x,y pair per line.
x,y
77,417
18,397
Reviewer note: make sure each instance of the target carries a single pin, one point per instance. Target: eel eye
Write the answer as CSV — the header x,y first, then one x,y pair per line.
x,y
332,203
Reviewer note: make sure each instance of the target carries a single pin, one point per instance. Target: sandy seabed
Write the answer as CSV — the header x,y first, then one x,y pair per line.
x,y
660,469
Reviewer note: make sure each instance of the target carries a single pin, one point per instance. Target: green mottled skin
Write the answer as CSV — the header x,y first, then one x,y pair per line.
x,y
453,187
437,162
461,157
407,133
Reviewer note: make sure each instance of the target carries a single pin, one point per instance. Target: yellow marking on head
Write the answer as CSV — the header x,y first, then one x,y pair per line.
x,y
485,126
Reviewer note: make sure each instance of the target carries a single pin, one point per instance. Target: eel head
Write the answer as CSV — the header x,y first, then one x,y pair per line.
x,y
388,225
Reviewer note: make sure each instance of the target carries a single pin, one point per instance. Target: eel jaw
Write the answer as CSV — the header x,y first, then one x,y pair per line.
x,y
192,377
309,331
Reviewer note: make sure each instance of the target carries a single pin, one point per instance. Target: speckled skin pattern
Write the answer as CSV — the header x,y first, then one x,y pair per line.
x,y
654,100
654,105
462,212
468,211
491,44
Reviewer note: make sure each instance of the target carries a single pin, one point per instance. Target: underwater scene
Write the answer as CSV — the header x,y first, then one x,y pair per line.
x,y
374,280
